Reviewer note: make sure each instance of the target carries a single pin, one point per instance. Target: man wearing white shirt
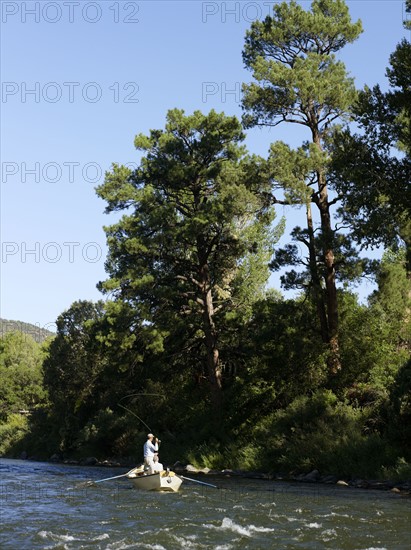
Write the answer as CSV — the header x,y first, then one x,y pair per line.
x,y
150,449
158,467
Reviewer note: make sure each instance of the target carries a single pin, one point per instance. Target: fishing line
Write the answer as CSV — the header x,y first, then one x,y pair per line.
x,y
133,413
137,394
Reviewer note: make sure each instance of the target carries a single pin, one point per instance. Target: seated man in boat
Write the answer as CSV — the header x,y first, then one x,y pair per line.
x,y
150,448
158,467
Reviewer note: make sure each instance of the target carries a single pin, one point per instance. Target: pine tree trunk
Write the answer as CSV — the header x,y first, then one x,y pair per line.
x,y
334,361
213,364
213,359
330,282
317,291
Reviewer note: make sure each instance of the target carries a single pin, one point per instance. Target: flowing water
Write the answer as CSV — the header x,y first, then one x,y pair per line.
x,y
46,505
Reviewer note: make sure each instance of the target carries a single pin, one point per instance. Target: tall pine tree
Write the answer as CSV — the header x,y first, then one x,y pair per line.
x,y
299,80
196,238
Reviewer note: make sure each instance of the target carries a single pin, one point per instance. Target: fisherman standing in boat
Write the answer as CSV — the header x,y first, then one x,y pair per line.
x,y
150,448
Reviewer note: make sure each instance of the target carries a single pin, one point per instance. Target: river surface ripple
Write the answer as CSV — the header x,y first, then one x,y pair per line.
x,y
46,505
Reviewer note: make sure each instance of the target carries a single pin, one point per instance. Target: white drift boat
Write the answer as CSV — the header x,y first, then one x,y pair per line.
x,y
159,481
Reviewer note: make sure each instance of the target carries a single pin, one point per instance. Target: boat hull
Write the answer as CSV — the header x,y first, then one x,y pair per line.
x,y
161,481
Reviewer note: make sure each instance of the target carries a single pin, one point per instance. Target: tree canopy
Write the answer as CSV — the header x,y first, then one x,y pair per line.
x,y
195,245
299,80
190,342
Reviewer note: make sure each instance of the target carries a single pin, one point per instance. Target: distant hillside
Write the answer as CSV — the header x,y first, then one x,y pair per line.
x,y
37,333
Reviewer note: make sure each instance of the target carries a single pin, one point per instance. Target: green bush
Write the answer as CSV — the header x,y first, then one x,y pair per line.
x,y
319,432
207,455
399,410
106,434
12,434
217,456
400,471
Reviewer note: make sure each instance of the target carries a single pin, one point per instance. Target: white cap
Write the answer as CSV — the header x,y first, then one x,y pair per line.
x,y
150,435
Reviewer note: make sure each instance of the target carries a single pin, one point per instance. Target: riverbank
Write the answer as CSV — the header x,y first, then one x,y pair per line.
x,y
401,487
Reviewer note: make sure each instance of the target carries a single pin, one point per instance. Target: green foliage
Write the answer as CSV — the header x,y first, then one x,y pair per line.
x,y
292,58
12,433
400,471
407,23
107,434
73,367
400,98
370,349
280,359
399,419
20,374
313,432
394,296
320,432
291,168
187,270
372,181
204,206
299,80
207,456
193,250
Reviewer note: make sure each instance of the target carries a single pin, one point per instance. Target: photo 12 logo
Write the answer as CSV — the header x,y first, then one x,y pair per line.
x,y
235,12
51,252
70,12
51,172
55,172
69,92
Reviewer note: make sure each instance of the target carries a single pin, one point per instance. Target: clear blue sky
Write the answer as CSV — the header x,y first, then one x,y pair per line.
x,y
79,80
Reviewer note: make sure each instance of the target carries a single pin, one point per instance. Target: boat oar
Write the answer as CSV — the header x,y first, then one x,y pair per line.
x,y
200,482
109,478
89,483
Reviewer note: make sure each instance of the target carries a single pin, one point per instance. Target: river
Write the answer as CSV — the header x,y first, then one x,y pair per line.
x,y
46,505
